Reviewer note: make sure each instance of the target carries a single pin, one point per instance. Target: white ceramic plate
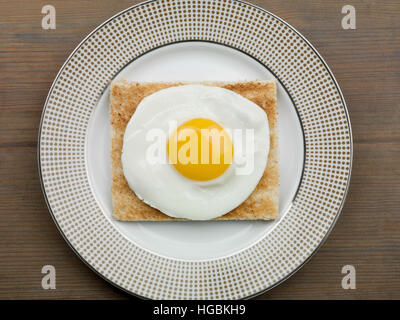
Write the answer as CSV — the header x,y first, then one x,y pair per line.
x,y
189,41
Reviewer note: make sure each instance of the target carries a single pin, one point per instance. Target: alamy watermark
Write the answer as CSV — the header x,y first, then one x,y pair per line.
x,y
49,280
49,20
349,20
349,280
205,146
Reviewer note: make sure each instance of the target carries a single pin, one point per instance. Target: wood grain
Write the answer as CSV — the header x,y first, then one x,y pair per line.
x,y
366,63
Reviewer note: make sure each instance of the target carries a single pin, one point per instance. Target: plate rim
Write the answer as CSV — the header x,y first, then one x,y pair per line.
x,y
351,145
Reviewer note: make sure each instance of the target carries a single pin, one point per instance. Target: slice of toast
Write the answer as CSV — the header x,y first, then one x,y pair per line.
x,y
125,96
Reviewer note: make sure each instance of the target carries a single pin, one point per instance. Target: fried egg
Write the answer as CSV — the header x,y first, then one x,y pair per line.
x,y
194,151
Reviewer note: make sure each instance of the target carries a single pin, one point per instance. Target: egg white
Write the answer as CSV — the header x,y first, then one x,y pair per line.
x,y
161,185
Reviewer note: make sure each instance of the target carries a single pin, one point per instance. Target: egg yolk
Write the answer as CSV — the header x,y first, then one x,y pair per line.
x,y
200,149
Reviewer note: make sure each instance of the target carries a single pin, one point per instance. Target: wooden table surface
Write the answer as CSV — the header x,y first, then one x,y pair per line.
x,y
366,63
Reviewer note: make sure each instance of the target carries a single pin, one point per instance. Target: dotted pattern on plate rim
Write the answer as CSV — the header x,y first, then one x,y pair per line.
x,y
148,26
